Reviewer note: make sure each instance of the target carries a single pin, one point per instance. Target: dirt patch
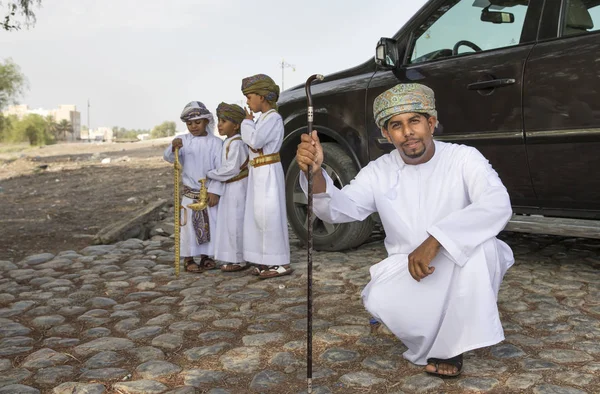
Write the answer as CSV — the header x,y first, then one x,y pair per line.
x,y
57,198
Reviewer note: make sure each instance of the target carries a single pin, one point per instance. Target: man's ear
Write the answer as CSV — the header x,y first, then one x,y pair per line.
x,y
432,121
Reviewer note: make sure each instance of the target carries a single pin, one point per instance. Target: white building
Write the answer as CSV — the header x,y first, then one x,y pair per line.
x,y
101,134
63,112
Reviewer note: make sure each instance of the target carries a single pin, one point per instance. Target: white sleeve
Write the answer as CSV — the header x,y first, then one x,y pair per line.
x,y
213,186
462,231
231,166
256,135
355,202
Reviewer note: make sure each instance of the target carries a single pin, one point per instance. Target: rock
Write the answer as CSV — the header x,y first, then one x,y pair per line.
x,y
101,302
14,376
97,332
38,259
284,359
422,383
242,360
104,344
18,389
104,360
361,379
198,377
552,389
478,384
144,332
44,358
379,363
168,341
267,380
194,354
147,353
53,375
79,388
357,331
48,321
104,374
157,369
262,339
140,387
523,381
228,323
506,350
338,355
565,356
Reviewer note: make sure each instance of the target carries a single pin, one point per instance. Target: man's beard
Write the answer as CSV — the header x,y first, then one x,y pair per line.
x,y
411,153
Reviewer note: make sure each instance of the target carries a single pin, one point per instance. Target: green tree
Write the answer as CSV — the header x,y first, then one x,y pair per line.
x,y
12,82
19,9
64,127
32,128
51,127
165,129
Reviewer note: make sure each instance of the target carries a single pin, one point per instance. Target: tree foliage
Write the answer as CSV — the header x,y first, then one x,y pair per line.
x,y
32,128
165,129
12,82
18,13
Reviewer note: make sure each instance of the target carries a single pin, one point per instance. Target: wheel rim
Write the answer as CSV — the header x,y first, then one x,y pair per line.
x,y
300,204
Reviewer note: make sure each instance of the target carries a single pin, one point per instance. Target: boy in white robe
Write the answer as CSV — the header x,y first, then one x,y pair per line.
x,y
441,206
199,152
233,173
266,242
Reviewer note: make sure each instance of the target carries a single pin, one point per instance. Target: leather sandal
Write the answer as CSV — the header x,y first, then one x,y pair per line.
x,y
274,271
234,267
456,361
207,263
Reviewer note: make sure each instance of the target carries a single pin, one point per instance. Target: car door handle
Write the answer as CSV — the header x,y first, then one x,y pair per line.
x,y
491,84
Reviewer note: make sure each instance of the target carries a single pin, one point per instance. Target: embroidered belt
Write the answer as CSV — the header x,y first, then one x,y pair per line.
x,y
191,193
243,174
264,160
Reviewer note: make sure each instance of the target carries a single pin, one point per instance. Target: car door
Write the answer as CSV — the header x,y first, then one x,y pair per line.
x,y
475,68
562,109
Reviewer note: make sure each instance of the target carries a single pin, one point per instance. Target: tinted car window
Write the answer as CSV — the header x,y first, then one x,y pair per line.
x,y
458,24
581,17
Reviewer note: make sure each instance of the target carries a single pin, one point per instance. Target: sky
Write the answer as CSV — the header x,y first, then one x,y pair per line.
x,y
139,62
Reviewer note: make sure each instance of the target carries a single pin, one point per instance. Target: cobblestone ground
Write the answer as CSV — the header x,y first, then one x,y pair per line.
x,y
115,319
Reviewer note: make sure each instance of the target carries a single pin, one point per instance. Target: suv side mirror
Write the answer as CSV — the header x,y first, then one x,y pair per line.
x,y
496,17
386,54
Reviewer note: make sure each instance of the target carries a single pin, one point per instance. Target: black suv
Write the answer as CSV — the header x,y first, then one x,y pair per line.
x,y
518,79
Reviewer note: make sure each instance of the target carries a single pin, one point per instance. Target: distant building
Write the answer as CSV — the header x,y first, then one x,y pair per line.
x,y
63,112
143,137
101,134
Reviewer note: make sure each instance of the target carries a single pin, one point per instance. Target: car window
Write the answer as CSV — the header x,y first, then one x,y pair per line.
x,y
581,17
465,26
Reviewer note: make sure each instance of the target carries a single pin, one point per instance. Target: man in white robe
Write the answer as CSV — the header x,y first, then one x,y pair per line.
x,y
199,152
441,206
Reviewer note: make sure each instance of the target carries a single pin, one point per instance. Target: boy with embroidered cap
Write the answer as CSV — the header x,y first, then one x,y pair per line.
x,y
199,153
233,173
266,242
442,206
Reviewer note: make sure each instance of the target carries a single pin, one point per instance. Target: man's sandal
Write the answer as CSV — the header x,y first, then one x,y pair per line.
x,y
234,267
192,266
456,361
206,263
275,271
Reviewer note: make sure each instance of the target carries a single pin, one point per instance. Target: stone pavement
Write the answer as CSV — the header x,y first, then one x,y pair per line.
x,y
115,319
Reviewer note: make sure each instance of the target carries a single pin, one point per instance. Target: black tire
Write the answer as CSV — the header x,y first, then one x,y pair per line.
x,y
327,237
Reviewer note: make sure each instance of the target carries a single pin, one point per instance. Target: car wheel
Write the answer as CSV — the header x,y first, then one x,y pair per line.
x,y
326,236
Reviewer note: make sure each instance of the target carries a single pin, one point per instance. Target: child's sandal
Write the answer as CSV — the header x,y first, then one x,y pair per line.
x,y
206,263
234,267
